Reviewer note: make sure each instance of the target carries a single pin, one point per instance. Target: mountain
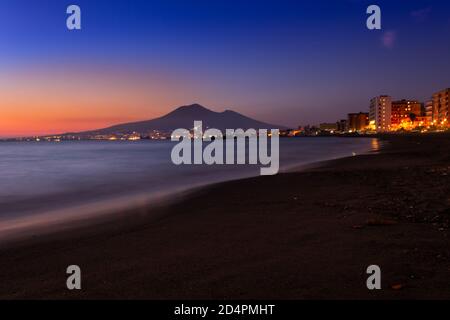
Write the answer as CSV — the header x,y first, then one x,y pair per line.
x,y
184,117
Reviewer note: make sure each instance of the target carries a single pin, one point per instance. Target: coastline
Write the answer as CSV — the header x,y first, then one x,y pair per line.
x,y
297,235
77,212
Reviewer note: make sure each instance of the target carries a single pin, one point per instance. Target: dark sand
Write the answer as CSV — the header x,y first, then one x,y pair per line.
x,y
302,235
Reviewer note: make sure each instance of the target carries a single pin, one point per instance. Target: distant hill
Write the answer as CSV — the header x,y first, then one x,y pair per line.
x,y
184,117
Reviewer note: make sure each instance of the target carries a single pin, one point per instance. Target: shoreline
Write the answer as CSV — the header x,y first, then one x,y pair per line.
x,y
296,235
47,223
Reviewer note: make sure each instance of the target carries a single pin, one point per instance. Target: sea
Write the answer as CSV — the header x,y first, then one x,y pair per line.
x,y
47,183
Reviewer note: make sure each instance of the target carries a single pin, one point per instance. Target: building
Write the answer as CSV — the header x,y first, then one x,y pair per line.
x,y
311,130
429,112
441,108
404,113
380,113
357,121
328,127
341,125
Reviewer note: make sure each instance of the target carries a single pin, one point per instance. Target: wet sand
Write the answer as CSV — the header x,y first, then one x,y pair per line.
x,y
298,235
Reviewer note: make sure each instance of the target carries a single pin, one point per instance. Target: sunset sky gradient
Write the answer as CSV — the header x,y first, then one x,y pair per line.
x,y
286,62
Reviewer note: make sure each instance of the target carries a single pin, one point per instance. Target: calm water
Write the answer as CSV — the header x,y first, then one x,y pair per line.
x,y
42,177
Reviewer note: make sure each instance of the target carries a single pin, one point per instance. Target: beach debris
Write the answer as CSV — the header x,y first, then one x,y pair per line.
x,y
381,222
397,286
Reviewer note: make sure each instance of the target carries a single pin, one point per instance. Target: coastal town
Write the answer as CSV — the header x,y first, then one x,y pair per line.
x,y
387,115
384,115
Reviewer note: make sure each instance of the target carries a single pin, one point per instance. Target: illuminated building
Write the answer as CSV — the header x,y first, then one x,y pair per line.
x,y
404,114
380,113
429,112
441,107
357,122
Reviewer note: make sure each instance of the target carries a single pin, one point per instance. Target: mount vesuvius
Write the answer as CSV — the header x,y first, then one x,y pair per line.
x,y
184,117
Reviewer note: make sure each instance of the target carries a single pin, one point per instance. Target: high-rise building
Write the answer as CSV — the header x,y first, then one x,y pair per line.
x,y
380,113
441,107
429,112
405,111
357,121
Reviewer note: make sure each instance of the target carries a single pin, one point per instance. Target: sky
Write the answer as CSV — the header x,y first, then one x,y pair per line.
x,y
283,62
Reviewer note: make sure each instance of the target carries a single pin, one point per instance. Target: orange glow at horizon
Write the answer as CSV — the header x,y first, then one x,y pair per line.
x,y
41,102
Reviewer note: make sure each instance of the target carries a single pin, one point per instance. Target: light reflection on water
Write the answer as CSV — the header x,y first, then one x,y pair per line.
x,y
375,144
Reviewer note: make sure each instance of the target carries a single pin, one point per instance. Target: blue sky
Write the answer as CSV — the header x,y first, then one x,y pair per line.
x,y
287,62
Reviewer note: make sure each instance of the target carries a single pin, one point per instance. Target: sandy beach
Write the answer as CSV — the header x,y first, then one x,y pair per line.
x,y
309,234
